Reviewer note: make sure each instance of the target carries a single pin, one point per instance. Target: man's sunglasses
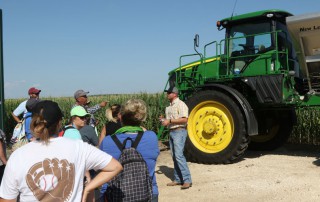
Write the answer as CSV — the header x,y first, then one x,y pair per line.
x,y
83,117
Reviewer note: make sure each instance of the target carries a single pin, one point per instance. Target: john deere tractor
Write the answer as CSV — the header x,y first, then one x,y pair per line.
x,y
245,95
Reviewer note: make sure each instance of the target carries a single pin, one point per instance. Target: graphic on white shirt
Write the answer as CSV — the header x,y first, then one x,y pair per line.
x,y
51,180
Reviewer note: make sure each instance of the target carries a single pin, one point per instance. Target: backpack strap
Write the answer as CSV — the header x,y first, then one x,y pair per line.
x,y
133,144
29,115
138,138
117,141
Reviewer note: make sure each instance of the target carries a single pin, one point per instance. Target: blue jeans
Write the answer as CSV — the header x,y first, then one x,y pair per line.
x,y
181,169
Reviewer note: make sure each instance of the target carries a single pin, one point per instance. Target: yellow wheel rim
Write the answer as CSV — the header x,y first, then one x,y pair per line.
x,y
210,127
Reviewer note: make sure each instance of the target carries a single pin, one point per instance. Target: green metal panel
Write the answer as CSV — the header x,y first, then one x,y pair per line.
x,y
1,76
260,66
312,100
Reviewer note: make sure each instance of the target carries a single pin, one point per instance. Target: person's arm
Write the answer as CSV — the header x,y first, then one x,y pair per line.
x,y
17,119
93,109
18,111
105,175
102,134
7,200
88,177
181,120
3,157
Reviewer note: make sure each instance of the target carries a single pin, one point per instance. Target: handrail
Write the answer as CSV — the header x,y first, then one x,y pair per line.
x,y
205,47
180,74
200,55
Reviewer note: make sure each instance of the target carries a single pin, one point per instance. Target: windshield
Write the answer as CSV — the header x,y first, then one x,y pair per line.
x,y
247,41
249,38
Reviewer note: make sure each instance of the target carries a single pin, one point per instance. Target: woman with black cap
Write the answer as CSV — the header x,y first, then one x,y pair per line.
x,y
52,168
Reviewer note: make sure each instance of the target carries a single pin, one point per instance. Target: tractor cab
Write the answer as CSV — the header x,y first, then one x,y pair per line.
x,y
258,43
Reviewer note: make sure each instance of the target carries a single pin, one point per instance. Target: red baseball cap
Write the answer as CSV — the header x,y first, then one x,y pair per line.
x,y
33,90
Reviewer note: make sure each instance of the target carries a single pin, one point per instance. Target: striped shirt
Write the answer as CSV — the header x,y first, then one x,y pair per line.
x,y
91,111
177,109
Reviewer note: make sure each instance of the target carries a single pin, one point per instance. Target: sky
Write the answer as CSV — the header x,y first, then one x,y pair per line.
x,y
111,46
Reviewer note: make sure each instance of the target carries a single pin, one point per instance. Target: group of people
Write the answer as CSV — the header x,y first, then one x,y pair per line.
x,y
72,167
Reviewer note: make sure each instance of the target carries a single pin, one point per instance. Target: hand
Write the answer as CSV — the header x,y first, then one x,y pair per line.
x,y
161,118
103,104
51,180
165,122
96,123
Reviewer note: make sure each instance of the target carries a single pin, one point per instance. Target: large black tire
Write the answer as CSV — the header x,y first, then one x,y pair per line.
x,y
216,129
275,127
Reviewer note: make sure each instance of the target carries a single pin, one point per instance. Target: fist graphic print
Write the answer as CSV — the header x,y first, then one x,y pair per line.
x,y
51,180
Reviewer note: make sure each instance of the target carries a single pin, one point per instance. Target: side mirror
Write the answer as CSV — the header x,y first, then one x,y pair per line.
x,y
196,40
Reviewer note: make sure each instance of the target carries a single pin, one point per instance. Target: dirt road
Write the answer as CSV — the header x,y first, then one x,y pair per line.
x,y
291,173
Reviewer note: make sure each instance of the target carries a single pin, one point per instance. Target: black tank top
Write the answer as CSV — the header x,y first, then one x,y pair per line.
x,y
112,127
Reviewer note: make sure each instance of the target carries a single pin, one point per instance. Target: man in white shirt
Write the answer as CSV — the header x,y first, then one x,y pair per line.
x,y
21,109
176,120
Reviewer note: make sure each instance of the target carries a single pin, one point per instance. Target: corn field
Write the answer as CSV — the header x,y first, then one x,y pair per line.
x,y
155,108
305,132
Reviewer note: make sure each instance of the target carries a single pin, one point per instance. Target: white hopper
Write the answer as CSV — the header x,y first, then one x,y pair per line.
x,y
305,32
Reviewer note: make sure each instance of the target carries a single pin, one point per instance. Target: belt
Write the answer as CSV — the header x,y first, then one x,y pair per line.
x,y
177,128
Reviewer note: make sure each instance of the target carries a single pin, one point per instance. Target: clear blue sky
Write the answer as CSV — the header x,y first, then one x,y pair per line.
x,y
104,47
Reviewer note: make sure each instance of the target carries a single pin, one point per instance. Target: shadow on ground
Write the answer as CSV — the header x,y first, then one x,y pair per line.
x,y
289,150
168,172
316,162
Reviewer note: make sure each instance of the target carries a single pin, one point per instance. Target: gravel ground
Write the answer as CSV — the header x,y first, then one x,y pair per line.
x,y
290,173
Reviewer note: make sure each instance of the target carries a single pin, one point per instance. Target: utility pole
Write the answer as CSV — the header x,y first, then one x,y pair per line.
x,y
1,76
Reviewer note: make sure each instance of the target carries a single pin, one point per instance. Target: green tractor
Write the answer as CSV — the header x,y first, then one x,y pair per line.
x,y
246,95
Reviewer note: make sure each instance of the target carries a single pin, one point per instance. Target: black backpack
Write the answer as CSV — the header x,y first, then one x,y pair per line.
x,y
134,182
